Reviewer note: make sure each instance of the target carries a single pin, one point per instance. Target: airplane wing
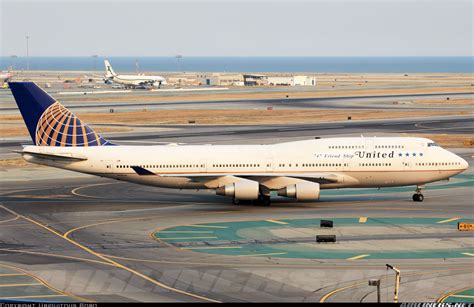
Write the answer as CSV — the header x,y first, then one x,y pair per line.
x,y
321,177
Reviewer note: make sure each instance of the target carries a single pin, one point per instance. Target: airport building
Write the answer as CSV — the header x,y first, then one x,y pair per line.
x,y
304,80
223,79
255,80
299,80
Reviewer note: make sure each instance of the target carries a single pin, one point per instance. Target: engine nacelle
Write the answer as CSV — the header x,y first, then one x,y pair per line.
x,y
244,190
301,191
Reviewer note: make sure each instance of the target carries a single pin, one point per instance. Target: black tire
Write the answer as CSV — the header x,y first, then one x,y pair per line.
x,y
266,201
420,197
415,197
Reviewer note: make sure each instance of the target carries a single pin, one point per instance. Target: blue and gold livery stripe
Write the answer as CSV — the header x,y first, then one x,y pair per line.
x,y
58,126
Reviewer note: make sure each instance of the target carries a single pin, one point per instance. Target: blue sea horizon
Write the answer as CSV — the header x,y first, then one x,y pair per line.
x,y
418,64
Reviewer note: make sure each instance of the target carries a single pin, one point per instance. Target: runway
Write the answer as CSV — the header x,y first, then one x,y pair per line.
x,y
7,105
273,133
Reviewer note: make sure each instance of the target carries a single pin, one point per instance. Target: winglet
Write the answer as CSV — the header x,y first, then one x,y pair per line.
x,y
141,171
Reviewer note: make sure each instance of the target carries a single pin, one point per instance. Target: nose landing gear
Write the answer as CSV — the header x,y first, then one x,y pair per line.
x,y
418,196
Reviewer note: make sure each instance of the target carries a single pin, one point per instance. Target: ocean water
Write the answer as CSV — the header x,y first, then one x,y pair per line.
x,y
251,64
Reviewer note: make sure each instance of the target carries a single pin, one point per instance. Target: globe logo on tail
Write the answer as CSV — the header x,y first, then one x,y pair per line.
x,y
58,126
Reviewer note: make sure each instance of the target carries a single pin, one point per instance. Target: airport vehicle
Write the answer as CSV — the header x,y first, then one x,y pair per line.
x,y
243,172
131,81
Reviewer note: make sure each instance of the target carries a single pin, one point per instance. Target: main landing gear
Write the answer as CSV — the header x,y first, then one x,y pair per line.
x,y
418,196
262,200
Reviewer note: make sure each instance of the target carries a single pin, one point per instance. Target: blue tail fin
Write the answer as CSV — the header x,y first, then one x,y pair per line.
x,y
49,122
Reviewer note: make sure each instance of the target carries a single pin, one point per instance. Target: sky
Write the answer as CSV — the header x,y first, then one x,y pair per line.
x,y
237,28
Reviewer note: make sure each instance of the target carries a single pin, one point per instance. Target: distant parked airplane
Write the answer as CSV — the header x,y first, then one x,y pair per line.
x,y
243,172
6,76
132,81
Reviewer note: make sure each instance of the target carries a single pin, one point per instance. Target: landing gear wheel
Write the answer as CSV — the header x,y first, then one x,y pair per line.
x,y
266,201
262,200
235,201
418,197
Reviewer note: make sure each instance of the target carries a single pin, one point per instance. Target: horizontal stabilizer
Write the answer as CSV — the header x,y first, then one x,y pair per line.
x,y
54,156
141,171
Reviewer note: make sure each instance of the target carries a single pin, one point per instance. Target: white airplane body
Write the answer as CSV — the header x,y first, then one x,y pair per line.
x,y
244,172
132,80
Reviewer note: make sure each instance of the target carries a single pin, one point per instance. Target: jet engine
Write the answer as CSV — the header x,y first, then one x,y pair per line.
x,y
243,190
301,191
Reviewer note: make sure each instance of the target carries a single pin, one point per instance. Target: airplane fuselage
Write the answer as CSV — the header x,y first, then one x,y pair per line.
x,y
332,162
137,80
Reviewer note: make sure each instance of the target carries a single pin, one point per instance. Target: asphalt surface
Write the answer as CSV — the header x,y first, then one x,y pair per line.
x,y
274,133
91,238
395,102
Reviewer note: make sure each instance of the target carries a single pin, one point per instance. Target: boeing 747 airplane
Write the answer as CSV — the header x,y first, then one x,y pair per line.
x,y
132,80
297,170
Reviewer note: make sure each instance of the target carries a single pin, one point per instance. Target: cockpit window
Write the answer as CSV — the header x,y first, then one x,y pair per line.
x,y
433,144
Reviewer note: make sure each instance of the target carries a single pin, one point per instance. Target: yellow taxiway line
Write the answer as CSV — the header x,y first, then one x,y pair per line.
x,y
42,282
463,296
206,226
452,293
358,257
324,298
258,255
190,231
187,238
9,220
450,220
30,296
20,285
115,263
74,191
212,247
53,255
277,222
12,274
328,295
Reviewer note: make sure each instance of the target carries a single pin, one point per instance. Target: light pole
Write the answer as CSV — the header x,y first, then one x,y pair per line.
x,y
397,282
27,54
95,56
13,57
178,58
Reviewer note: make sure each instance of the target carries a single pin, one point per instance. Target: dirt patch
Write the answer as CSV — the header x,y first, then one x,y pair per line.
x,y
447,140
16,163
446,101
157,96
22,131
257,117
